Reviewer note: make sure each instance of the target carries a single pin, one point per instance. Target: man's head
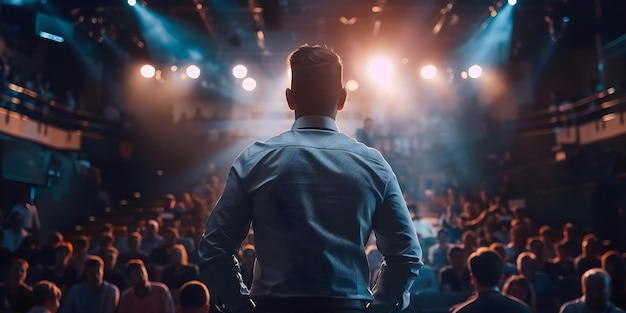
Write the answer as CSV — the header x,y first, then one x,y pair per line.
x,y
152,228
170,235
137,273
109,257
62,252
316,82
590,245
94,271
179,255
596,285
443,238
46,294
536,246
18,269
194,298
81,244
368,124
456,257
134,241
527,265
485,267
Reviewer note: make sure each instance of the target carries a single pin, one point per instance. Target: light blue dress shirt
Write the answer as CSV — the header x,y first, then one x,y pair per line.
x,y
313,195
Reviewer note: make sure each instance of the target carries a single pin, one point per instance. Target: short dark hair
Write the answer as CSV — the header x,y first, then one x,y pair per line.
x,y
486,266
454,250
134,264
316,75
94,261
193,295
44,291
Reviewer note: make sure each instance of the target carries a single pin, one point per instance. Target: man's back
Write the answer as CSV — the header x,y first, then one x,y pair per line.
x,y
493,302
312,187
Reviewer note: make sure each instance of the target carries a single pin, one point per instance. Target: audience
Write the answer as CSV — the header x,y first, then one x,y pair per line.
x,y
151,239
94,295
133,251
438,253
62,275
596,285
589,258
456,276
144,295
612,263
485,267
543,286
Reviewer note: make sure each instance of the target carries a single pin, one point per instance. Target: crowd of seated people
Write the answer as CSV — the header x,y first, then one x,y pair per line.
x,y
137,266
542,265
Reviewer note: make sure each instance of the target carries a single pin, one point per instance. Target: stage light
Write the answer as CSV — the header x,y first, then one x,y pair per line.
x,y
475,71
512,2
249,84
566,19
193,71
464,75
352,85
132,2
148,71
174,68
240,71
380,69
428,72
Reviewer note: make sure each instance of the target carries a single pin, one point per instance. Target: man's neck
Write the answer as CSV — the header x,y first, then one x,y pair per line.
x,y
482,289
142,290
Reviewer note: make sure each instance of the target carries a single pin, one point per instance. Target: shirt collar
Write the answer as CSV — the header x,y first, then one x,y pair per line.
x,y
315,121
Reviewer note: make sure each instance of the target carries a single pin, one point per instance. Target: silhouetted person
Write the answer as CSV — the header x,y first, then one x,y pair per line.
x,y
486,270
194,298
45,297
313,195
365,134
596,285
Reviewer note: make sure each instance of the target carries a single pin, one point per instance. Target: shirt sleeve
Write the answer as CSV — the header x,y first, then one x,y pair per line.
x,y
225,230
397,241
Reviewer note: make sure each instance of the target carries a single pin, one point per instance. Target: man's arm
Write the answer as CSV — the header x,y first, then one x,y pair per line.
x,y
111,300
225,230
397,241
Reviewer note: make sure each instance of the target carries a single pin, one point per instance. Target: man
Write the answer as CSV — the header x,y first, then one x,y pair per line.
x,y
45,297
313,195
589,258
545,290
94,295
14,292
596,285
194,298
437,254
364,134
151,239
113,274
161,255
456,276
144,295
134,252
486,272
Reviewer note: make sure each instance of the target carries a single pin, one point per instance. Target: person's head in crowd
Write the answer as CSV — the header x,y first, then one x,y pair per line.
x,y
519,236
247,255
81,245
562,252
134,242
612,263
54,238
500,249
443,239
527,265
137,274
152,228
170,236
62,253
368,124
106,228
193,297
547,234
179,255
486,268
17,271
470,241
15,221
106,240
457,257
596,286
590,246
316,82
520,288
46,294
109,257
569,232
94,271
535,245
